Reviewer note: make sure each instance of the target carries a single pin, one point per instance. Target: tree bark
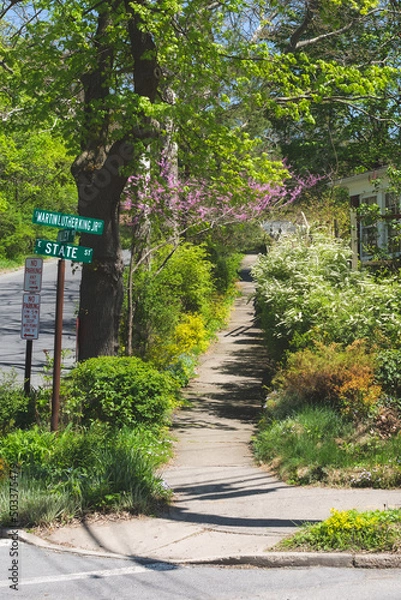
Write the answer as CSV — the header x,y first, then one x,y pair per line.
x,y
101,292
138,330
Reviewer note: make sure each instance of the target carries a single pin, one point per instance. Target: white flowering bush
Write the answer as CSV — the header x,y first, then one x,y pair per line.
x,y
307,292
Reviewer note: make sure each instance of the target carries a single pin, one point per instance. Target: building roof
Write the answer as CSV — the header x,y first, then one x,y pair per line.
x,y
362,182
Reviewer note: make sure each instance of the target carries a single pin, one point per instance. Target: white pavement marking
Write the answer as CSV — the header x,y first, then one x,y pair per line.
x,y
93,574
5,542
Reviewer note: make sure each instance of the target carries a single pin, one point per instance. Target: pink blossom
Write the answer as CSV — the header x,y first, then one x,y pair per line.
x,y
193,202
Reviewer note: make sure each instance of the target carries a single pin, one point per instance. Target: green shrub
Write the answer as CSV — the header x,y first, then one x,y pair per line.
x,y
296,286
226,262
389,371
184,284
119,391
178,306
192,271
16,409
179,282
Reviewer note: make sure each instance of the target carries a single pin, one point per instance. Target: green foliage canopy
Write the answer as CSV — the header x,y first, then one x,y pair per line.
x,y
34,171
221,68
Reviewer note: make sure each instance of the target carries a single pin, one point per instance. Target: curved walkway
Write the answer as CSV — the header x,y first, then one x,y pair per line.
x,y
225,506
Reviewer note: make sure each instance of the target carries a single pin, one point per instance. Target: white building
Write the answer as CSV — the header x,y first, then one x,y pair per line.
x,y
369,238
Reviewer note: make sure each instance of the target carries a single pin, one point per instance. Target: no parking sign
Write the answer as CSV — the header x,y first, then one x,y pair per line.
x,y
33,275
30,316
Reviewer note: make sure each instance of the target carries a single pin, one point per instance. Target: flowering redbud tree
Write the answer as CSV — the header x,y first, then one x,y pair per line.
x,y
178,206
175,207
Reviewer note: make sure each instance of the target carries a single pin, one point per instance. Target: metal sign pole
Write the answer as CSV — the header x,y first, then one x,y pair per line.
x,y
57,345
28,367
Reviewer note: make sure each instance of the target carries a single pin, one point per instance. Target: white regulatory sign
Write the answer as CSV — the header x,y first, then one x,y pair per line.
x,y
33,274
30,316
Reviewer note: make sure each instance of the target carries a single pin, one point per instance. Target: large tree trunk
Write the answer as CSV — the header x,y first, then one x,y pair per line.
x,y
101,292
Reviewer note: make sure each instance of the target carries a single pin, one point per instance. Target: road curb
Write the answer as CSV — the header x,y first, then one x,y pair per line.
x,y
35,540
273,560
268,560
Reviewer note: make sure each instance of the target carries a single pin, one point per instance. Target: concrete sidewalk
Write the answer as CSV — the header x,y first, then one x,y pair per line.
x,y
226,508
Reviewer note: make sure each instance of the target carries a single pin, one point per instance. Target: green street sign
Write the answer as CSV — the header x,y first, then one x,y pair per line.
x,y
56,219
66,236
65,251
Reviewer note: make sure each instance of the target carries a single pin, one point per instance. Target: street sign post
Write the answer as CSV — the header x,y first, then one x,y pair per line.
x,y
57,345
64,251
61,220
33,275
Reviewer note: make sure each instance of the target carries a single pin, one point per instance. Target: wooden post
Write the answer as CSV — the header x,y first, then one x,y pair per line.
x,y
57,345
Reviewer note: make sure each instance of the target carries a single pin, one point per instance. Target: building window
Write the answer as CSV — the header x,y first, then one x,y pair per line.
x,y
393,231
391,203
369,231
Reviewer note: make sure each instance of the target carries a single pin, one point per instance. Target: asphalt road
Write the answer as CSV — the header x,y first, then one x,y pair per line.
x,y
12,347
43,574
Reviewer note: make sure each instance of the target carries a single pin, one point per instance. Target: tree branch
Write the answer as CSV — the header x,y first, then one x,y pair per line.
x,y
6,67
309,16
320,38
6,116
7,8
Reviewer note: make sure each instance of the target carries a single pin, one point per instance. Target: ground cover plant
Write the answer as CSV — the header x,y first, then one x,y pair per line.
x,y
316,445
352,531
332,412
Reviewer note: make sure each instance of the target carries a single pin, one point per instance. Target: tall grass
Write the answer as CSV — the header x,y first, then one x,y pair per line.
x,y
66,475
316,444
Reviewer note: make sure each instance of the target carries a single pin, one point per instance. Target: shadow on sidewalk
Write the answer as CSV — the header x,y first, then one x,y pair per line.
x,y
178,514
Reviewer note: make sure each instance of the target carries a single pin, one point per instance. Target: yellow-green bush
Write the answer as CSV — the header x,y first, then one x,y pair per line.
x,y
329,374
180,305
190,336
370,531
178,353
